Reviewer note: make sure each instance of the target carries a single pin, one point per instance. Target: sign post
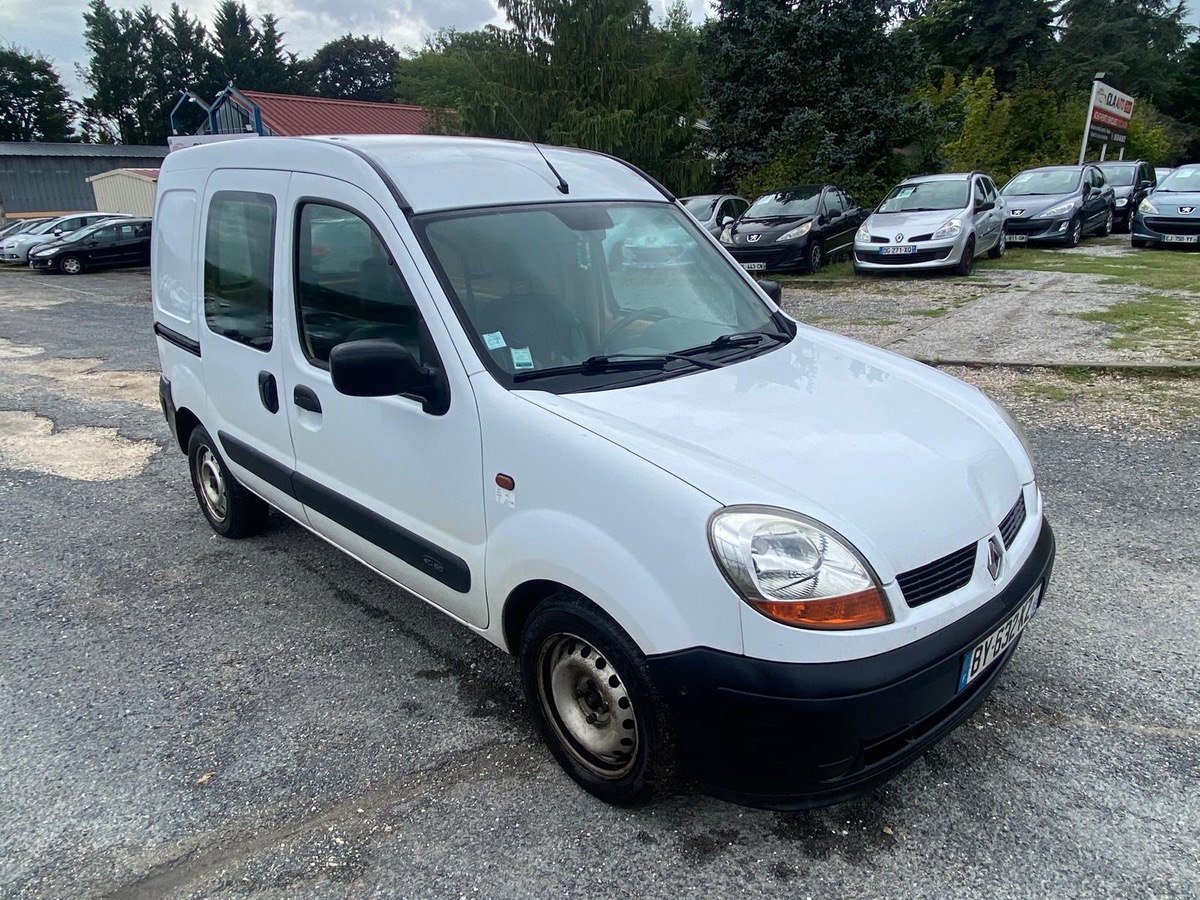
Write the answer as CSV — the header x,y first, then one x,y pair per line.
x,y
1107,118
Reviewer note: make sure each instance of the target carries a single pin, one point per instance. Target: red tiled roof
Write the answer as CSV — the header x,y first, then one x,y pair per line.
x,y
289,115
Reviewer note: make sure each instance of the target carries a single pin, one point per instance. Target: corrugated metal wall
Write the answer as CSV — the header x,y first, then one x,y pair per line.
x,y
54,184
125,193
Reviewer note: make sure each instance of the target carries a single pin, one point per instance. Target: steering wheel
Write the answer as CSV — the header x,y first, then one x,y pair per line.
x,y
632,316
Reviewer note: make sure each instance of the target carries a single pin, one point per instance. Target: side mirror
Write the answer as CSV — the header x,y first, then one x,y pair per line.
x,y
726,220
772,290
374,367
58,232
1145,185
834,214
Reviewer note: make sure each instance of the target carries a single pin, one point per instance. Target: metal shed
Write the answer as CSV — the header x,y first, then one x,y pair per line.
x,y
51,179
125,191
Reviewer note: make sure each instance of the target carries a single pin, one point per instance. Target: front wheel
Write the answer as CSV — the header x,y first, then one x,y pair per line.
x,y
1107,228
70,265
816,257
966,265
589,690
231,510
1075,232
1000,246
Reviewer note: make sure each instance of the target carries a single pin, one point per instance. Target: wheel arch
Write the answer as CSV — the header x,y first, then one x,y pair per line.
x,y
186,422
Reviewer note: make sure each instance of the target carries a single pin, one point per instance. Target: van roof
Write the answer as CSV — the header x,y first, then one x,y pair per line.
x,y
429,172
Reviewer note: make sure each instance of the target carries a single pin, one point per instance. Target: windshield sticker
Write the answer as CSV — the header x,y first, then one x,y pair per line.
x,y
904,192
493,340
522,358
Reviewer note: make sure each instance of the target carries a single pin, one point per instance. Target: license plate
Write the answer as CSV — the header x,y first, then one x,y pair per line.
x,y
1180,238
1017,238
898,250
987,651
754,267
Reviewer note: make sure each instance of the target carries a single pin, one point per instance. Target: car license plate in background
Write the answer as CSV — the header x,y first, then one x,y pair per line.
x,y
754,267
898,250
1016,238
993,646
1180,238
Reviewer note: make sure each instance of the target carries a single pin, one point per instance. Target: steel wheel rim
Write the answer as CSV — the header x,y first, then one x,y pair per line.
x,y
211,481
588,706
71,265
1076,232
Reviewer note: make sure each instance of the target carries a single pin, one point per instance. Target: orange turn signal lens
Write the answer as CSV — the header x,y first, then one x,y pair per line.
x,y
863,609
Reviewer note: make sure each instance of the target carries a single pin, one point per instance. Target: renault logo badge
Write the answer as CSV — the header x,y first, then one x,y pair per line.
x,y
899,238
995,557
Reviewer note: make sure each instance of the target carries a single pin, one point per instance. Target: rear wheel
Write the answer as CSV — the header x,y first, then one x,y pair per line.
x,y
231,510
589,691
966,265
1000,246
70,265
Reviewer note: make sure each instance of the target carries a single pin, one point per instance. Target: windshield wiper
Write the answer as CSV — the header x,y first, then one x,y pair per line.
x,y
736,339
610,362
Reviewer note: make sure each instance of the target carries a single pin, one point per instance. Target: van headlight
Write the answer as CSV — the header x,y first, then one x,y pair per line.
x,y
951,228
795,570
1147,207
863,236
1061,210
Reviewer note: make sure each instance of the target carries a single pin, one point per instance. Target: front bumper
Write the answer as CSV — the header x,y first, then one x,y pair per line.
x,y
799,735
929,255
789,256
1173,231
14,256
42,262
1050,231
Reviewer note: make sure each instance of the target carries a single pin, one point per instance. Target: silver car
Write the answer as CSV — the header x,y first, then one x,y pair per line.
x,y
934,222
15,249
715,211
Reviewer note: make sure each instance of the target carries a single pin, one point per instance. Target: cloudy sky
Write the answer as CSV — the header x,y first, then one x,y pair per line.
x,y
55,27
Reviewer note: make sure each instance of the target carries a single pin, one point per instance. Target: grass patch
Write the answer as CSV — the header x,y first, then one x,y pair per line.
x,y
1027,387
1076,374
934,313
1152,320
1163,270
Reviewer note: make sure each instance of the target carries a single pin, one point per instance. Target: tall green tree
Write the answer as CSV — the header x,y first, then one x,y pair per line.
x,y
115,74
33,102
1013,38
235,42
808,89
588,73
355,68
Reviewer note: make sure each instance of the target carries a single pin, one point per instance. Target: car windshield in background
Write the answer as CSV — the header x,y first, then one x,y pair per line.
x,y
1120,176
565,286
1183,179
81,233
1028,184
700,207
925,195
785,204
43,228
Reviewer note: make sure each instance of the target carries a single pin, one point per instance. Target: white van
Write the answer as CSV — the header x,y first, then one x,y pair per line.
x,y
788,561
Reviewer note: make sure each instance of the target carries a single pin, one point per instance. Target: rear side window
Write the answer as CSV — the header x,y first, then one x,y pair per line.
x,y
239,246
348,287
175,251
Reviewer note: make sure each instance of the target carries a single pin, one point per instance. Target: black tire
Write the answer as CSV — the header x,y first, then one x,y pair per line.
x,y
231,510
997,250
966,265
815,257
70,265
1074,232
1138,242
567,645
1107,227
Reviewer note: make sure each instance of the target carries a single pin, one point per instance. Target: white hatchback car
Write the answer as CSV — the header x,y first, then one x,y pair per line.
x,y
784,560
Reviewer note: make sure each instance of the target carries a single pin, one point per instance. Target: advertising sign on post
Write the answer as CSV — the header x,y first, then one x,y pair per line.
x,y
1108,117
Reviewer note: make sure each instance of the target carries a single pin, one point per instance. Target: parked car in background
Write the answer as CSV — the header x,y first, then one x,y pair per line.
x,y
1131,181
794,230
1059,204
715,211
20,226
933,222
1160,173
108,244
15,249
1171,213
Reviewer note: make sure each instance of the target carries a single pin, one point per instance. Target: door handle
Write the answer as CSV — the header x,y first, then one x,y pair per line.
x,y
268,392
306,398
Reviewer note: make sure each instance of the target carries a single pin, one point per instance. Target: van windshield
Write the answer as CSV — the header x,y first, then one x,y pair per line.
x,y
574,296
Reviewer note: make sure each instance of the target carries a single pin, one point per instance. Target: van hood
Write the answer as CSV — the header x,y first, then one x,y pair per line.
x,y
907,463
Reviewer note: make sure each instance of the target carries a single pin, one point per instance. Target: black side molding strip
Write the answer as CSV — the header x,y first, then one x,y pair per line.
x,y
419,553
179,340
276,474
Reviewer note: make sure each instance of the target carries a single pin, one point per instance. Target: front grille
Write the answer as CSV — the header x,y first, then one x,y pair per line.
x,y
875,239
900,259
1011,524
1172,226
1027,226
768,255
937,578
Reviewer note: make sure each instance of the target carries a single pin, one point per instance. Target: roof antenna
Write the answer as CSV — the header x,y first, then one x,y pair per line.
x,y
563,187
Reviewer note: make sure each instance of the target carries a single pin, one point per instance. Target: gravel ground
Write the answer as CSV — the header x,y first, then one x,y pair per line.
x,y
996,315
185,716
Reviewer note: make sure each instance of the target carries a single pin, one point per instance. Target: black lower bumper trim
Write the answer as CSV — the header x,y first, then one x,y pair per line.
x,y
797,735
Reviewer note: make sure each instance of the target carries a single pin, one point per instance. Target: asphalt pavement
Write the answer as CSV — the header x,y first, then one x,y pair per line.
x,y
182,715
